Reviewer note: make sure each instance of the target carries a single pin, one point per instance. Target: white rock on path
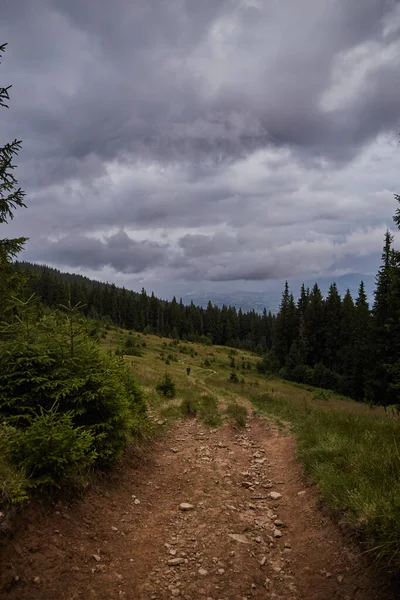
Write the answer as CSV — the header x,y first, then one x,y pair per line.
x,y
238,537
174,562
186,506
274,495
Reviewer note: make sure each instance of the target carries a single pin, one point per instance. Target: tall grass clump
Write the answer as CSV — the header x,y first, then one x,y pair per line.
x,y
355,461
189,407
208,411
237,413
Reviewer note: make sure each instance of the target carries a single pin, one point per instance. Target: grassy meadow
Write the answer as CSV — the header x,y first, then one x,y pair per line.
x,y
350,450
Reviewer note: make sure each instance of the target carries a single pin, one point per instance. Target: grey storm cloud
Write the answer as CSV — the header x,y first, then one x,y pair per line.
x,y
118,251
203,140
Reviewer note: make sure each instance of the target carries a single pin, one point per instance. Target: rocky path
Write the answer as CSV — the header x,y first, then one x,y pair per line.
x,y
212,515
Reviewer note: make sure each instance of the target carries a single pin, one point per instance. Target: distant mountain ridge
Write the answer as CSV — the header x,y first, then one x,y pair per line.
x,y
271,297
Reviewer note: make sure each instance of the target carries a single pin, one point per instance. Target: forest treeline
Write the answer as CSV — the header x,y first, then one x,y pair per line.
x,y
146,313
333,342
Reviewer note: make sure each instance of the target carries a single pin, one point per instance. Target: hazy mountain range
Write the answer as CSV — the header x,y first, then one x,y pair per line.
x,y
270,298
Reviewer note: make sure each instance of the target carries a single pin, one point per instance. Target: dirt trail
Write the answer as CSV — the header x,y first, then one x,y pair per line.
x,y
235,543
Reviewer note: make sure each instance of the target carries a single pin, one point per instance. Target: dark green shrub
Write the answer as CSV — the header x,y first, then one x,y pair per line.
x,y
167,386
233,378
268,364
51,450
52,362
132,347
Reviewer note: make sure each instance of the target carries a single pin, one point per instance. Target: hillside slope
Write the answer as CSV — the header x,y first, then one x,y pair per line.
x,y
123,538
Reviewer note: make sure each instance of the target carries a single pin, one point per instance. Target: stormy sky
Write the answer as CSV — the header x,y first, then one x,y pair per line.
x,y
204,144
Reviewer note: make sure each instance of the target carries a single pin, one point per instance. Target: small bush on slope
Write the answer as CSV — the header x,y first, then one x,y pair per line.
x,y
167,386
51,450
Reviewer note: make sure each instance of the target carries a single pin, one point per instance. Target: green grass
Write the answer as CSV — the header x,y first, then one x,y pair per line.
x,y
189,407
355,461
208,411
237,413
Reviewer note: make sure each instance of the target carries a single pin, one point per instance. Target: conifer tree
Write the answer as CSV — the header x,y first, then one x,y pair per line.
x,y
303,300
315,326
392,363
347,342
285,325
332,329
361,344
379,380
11,197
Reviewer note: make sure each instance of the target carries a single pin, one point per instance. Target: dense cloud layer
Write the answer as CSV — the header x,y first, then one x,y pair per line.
x,y
221,140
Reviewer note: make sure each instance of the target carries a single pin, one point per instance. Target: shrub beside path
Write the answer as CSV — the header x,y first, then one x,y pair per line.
x,y
249,528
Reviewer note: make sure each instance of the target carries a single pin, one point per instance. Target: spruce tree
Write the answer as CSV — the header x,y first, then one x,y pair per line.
x,y
302,302
11,197
392,363
361,344
315,327
379,383
347,342
285,327
332,329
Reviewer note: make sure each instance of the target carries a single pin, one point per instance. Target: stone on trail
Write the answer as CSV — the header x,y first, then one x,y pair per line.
x,y
277,533
186,506
239,537
202,572
174,562
274,495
